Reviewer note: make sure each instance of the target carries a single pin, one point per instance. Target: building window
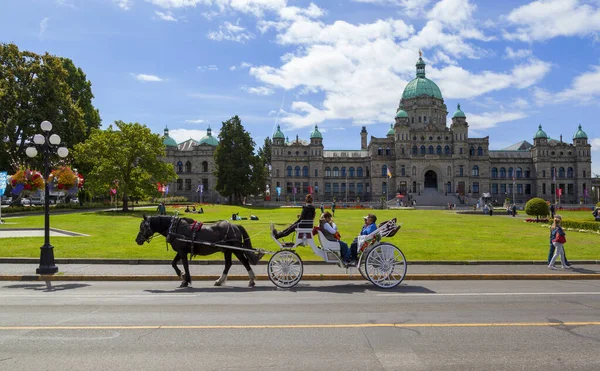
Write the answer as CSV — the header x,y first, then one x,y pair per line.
x,y
414,150
388,151
519,172
584,173
438,150
510,172
379,151
570,172
180,184
368,172
520,189
419,118
479,151
180,167
336,188
431,150
570,189
204,166
327,171
188,184
503,189
543,188
351,172
403,170
447,150
561,172
402,150
495,188
305,172
343,188
475,170
527,189
384,188
543,173
502,172
359,188
316,187
297,171
327,187
475,187
343,172
471,151
289,187
336,173
277,172
316,173
351,188
494,172
359,172
384,170
188,167
423,150
527,173
460,171
460,151
289,171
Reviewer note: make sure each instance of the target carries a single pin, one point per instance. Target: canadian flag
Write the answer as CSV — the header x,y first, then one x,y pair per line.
x,y
559,192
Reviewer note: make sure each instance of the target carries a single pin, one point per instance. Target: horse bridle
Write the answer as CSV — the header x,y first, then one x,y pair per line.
x,y
146,224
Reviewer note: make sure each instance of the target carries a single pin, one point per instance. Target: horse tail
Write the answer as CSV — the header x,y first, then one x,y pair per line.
x,y
252,256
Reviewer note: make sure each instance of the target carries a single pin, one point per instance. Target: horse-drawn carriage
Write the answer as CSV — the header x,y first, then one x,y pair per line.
x,y
379,262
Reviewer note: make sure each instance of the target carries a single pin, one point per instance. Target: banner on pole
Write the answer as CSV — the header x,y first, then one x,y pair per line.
x,y
278,189
3,181
559,192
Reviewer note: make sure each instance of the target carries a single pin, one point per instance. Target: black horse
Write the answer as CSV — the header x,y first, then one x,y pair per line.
x,y
179,231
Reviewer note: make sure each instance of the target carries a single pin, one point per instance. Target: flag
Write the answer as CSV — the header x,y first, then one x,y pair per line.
x,y
278,189
389,173
166,190
585,192
159,186
294,190
310,190
3,181
559,192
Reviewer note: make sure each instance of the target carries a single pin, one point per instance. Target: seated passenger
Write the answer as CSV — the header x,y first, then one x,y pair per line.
x,y
331,233
308,215
368,228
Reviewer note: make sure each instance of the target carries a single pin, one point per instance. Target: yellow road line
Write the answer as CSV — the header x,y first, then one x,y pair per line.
x,y
301,326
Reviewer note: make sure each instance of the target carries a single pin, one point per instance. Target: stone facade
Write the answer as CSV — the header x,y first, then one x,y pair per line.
x,y
423,153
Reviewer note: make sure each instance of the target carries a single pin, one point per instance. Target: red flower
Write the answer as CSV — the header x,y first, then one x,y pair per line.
x,y
60,186
27,186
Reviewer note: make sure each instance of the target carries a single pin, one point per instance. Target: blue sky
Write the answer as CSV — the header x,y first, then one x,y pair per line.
x,y
187,64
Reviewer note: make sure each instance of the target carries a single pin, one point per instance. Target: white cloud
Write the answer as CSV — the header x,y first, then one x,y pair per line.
x,y
411,8
517,54
210,67
166,16
65,3
197,121
488,120
546,19
595,142
147,78
259,90
585,88
181,135
124,4
255,7
231,32
167,4
43,27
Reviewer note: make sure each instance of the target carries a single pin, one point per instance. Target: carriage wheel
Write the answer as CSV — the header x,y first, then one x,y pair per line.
x,y
361,266
385,265
285,269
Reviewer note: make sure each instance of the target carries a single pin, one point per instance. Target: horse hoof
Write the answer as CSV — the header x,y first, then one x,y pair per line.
x,y
252,284
184,284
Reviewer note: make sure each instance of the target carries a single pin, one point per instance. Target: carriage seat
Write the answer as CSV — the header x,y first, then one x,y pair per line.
x,y
325,243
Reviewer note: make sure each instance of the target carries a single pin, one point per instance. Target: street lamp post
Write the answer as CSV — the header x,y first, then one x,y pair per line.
x,y
47,144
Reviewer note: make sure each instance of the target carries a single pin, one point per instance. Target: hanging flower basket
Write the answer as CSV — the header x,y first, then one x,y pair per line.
x,y
65,180
26,181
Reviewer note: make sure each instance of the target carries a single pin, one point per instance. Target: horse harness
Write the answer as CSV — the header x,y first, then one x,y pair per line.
x,y
194,227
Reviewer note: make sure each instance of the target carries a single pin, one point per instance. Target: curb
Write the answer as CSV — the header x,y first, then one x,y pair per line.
x,y
306,277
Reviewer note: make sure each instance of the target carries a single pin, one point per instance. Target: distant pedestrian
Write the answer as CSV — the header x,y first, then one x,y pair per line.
x,y
491,209
162,210
322,208
552,210
514,210
333,208
559,238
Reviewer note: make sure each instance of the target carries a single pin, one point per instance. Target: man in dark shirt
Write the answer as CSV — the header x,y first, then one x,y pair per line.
x,y
307,215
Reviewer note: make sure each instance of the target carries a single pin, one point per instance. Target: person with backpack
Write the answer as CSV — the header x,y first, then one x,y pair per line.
x,y
559,238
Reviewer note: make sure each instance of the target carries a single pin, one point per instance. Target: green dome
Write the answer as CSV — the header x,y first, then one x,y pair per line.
x,y
278,133
315,133
540,134
458,112
401,113
391,131
167,140
421,85
209,139
580,134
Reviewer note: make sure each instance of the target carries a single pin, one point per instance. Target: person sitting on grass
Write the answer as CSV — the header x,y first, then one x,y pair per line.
x,y
307,216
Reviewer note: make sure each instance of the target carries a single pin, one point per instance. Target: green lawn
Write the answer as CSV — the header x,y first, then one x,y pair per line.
x,y
425,235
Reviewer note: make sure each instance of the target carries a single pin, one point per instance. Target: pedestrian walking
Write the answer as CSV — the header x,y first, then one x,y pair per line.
x,y
559,239
514,210
333,207
322,208
491,209
162,210
552,248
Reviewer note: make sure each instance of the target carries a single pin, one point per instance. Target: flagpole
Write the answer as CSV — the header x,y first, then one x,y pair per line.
x,y
555,189
514,183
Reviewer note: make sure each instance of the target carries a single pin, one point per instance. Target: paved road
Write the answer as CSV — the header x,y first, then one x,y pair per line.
x,y
421,325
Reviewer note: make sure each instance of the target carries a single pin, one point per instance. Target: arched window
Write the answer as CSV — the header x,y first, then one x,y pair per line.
x,y
502,172
367,171
494,172
380,151
561,172
570,172
388,151
343,172
449,171
471,151
336,172
359,172
519,172
188,167
384,170
447,150
479,151
527,173
351,172
289,171
415,150
305,171
423,150
475,170
297,171
438,150
204,166
510,172
414,171
431,150
180,167
327,171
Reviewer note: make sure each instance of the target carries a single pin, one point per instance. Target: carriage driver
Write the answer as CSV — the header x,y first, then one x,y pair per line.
x,y
307,215
368,228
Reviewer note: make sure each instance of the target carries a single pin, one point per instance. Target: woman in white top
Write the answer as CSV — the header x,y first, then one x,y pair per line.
x,y
331,233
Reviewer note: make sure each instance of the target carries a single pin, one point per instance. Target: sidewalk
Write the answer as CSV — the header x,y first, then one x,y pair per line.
x,y
200,270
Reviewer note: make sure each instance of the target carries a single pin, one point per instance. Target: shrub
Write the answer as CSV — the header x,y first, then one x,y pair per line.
x,y
537,207
580,224
598,204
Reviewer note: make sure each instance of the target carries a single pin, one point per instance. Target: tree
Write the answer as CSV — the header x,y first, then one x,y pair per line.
x,y
239,171
538,207
34,88
131,155
265,151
